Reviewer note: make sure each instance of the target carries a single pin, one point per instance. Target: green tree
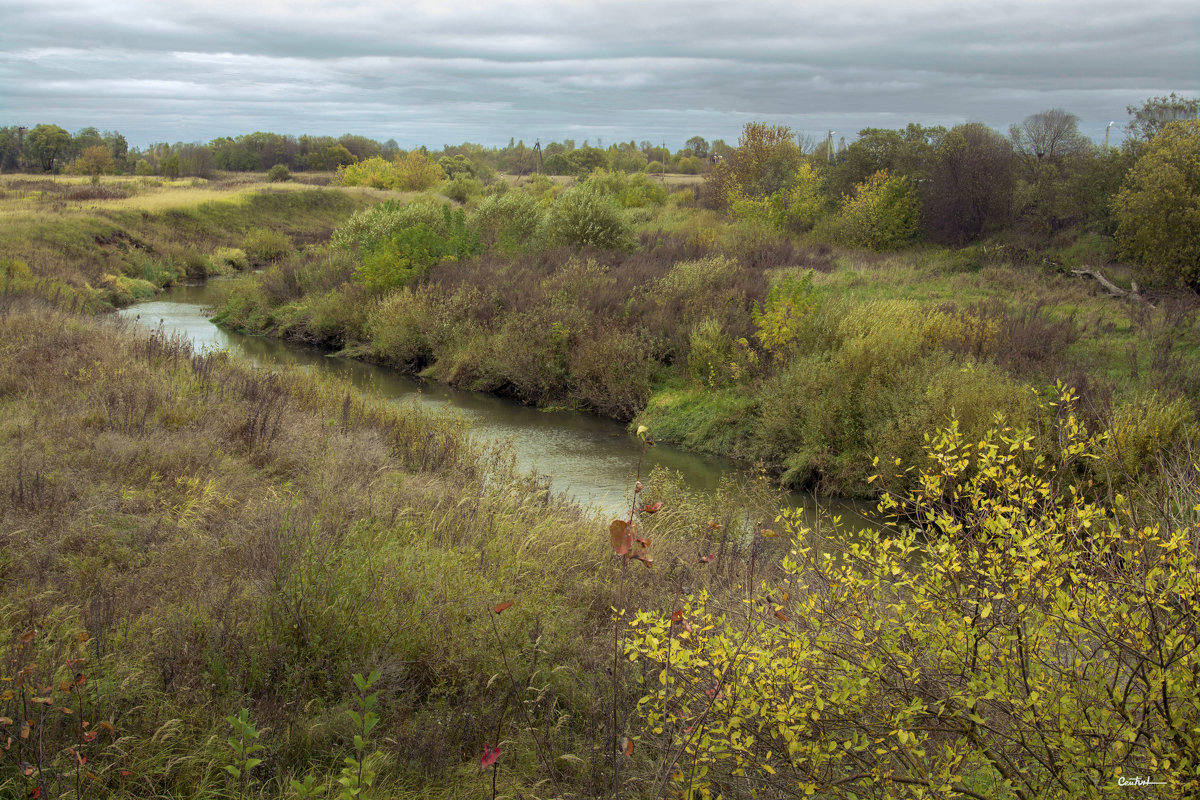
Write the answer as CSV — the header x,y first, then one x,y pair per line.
x,y
10,149
46,145
1158,209
96,160
697,146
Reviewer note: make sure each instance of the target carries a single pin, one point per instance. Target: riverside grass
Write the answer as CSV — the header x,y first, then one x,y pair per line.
x,y
92,253
209,537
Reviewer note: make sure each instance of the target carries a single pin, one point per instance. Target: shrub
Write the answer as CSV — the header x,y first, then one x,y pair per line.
x,y
227,259
462,187
414,248
582,217
263,246
883,213
375,172
710,353
279,173
508,221
971,649
416,172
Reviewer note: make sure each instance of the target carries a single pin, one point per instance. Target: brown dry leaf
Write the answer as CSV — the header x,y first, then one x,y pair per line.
x,y
620,533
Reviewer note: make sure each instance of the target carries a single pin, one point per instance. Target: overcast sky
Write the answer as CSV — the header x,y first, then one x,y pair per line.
x,y
447,72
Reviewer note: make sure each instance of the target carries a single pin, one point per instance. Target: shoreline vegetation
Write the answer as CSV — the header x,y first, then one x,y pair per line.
x,y
223,581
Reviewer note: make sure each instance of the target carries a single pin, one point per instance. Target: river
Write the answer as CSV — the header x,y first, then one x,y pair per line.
x,y
589,458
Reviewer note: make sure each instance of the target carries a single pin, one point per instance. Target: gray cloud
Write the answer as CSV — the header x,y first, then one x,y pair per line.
x,y
446,72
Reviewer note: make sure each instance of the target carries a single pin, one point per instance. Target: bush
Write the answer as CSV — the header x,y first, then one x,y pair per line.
x,y
263,246
416,172
462,187
883,213
508,221
414,248
279,173
582,217
971,648
229,259
375,172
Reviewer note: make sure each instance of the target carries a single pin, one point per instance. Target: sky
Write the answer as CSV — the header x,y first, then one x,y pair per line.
x,y
452,71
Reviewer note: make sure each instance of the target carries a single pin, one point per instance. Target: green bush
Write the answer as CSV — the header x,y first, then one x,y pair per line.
x,y
414,248
263,246
229,259
279,173
462,187
583,217
882,213
508,221
374,172
710,354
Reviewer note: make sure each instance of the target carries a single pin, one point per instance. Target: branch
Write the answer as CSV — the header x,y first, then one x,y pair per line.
x,y
1109,286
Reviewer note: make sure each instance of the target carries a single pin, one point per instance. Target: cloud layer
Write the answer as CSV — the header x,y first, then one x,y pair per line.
x,y
447,72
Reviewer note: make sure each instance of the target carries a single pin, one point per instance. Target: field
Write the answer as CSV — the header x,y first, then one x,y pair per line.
x,y
222,581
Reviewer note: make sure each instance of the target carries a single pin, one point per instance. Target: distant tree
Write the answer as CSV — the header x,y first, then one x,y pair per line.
x,y
765,161
457,164
1048,148
96,160
907,152
416,172
46,144
390,149
1150,117
698,146
83,139
1158,209
718,149
585,159
10,149
118,147
360,146
970,184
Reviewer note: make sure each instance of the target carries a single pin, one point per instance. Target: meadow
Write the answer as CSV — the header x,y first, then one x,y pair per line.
x,y
224,581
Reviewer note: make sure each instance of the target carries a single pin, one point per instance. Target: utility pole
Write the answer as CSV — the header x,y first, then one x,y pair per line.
x,y
1106,130
829,146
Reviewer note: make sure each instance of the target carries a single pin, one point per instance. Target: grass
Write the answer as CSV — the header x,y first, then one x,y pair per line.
x,y
79,252
229,537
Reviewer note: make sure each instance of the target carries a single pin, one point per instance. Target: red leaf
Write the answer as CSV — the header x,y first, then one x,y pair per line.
x,y
620,533
90,736
716,526
36,793
490,756
502,606
782,616
645,559
677,616
707,558
643,542
124,773
653,508
626,746
27,636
